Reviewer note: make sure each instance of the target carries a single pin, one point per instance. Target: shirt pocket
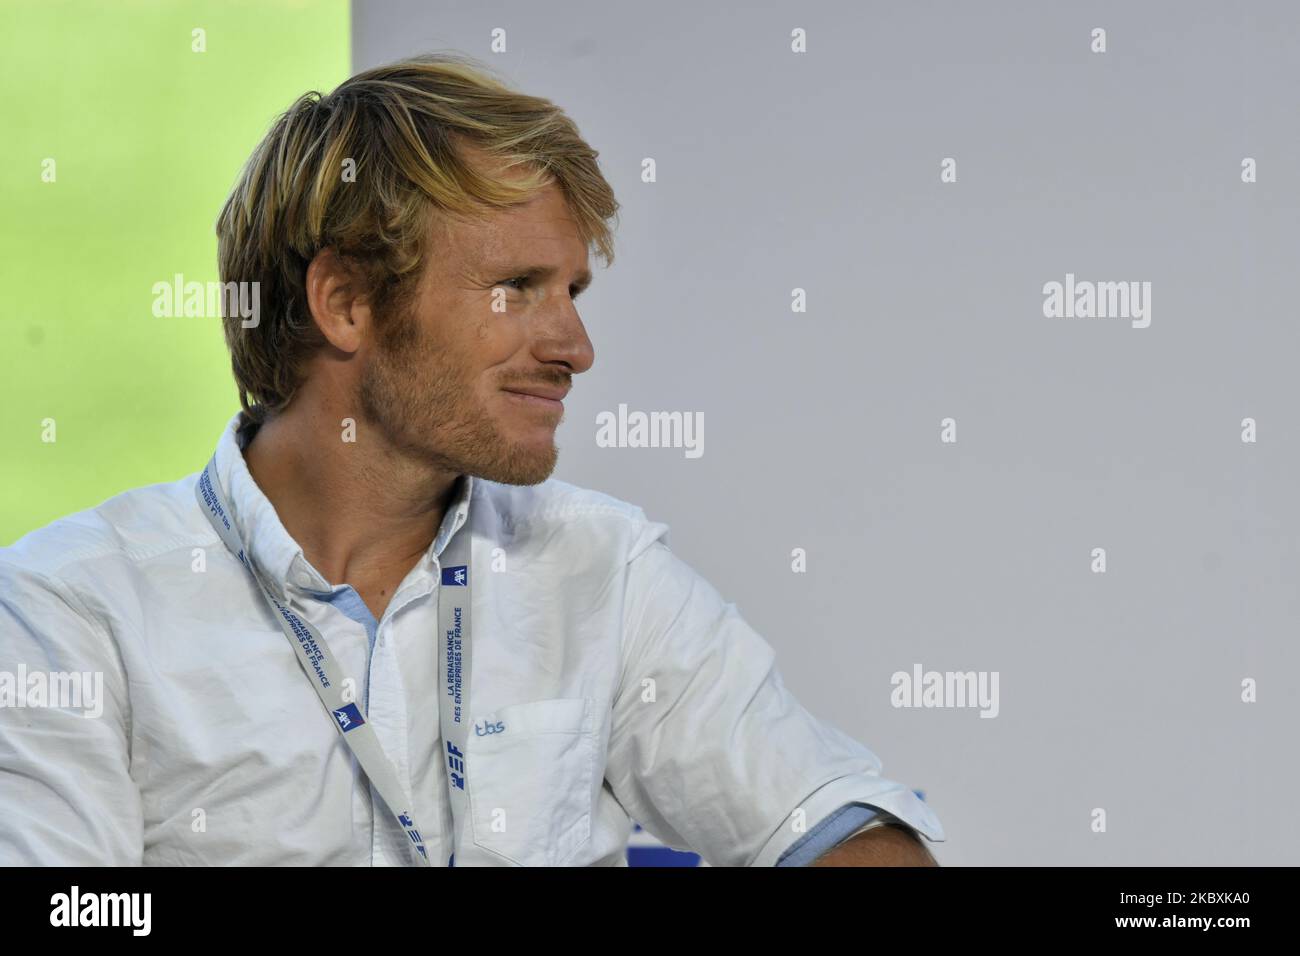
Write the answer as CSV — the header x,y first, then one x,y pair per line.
x,y
530,779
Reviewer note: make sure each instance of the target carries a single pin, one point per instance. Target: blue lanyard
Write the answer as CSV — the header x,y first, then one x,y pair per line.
x,y
322,669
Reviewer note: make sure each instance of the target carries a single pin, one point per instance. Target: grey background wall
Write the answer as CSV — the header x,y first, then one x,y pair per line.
x,y
821,171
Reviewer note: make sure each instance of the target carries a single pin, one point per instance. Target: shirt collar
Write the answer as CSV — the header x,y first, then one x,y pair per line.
x,y
277,557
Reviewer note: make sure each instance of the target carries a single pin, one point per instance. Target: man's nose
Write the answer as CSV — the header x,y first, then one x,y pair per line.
x,y
564,339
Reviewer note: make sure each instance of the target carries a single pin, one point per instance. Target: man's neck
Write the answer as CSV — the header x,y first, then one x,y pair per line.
x,y
362,513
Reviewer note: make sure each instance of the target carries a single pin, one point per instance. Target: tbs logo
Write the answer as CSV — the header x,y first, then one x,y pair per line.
x,y
498,728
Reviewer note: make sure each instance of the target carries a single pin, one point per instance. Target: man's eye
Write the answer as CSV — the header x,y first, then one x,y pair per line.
x,y
522,280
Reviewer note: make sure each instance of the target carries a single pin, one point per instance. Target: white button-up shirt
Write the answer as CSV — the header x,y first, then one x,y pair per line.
x,y
629,689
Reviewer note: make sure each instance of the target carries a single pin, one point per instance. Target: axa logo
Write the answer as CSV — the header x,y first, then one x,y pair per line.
x,y
457,576
349,717
489,728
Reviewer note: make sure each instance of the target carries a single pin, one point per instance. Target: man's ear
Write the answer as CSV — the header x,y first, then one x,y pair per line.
x,y
334,297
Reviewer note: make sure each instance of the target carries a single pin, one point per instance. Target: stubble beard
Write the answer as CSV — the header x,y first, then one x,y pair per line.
x,y
423,407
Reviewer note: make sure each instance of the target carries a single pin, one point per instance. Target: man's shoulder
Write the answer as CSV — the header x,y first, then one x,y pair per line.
x,y
562,503
129,529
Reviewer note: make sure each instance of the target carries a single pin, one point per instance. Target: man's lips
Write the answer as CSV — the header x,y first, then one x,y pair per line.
x,y
543,396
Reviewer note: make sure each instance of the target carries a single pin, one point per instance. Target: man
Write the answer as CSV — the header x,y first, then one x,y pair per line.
x,y
374,631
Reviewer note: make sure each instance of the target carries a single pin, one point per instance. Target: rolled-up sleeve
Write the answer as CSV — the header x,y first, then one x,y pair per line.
x,y
66,793
708,750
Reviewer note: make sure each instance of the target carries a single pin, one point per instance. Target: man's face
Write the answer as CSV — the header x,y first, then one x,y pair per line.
x,y
438,378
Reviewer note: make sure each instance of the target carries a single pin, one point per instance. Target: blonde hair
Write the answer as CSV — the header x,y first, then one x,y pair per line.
x,y
411,130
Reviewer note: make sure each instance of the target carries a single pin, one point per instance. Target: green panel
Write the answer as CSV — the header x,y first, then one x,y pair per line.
x,y
148,137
